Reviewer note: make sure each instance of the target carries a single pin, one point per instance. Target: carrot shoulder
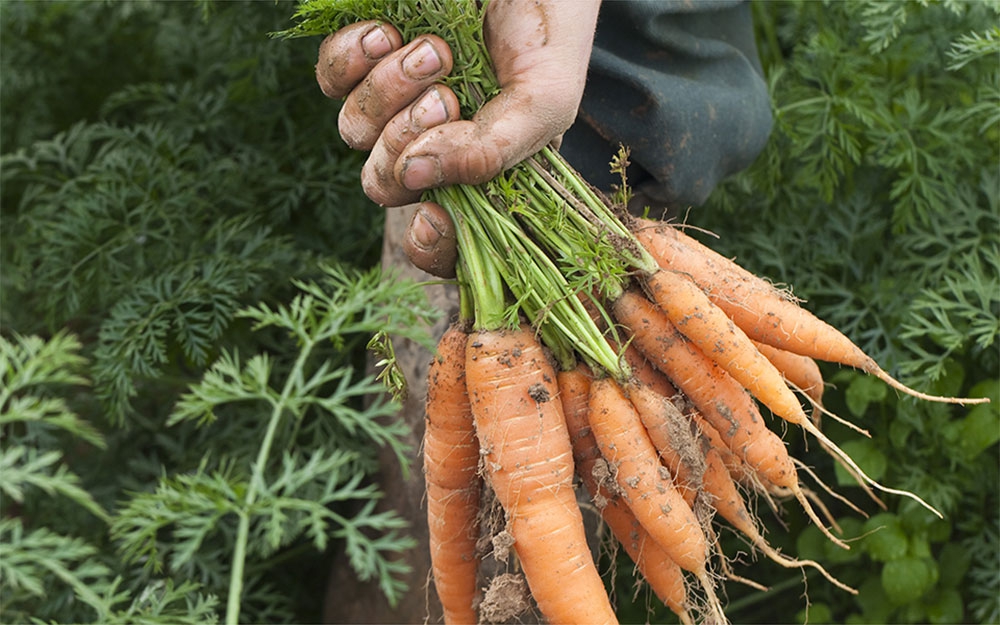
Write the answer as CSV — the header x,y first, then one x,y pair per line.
x,y
529,461
451,460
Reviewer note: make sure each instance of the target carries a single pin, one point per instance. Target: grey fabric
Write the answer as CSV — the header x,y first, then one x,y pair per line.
x,y
680,83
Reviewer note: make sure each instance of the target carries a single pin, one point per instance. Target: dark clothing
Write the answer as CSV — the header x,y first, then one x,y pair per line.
x,y
679,83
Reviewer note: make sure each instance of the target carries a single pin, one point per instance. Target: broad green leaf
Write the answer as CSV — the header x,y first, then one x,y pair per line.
x,y
906,579
867,455
885,539
862,391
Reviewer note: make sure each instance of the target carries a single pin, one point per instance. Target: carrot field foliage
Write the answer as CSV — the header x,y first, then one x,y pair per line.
x,y
186,297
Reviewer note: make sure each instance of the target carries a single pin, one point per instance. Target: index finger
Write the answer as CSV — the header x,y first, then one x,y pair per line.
x,y
346,56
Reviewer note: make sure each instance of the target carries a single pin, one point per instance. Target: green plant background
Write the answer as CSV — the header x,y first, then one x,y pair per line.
x,y
186,298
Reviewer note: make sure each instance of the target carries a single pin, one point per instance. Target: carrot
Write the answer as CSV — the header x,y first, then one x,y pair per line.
x,y
646,486
709,328
763,312
671,435
659,570
451,460
718,397
528,458
737,420
647,374
801,372
738,469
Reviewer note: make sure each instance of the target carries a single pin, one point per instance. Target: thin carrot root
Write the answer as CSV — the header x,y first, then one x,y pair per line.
x,y
811,513
819,409
792,563
861,482
847,502
726,569
809,427
879,373
714,614
823,509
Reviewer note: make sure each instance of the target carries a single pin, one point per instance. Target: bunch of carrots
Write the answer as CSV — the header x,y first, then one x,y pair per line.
x,y
599,348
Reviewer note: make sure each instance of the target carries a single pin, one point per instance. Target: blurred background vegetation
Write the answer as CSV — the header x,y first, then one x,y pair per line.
x,y
186,297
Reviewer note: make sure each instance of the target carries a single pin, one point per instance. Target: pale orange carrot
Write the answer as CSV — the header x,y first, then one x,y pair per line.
x,y
723,402
672,436
705,384
709,328
763,312
801,372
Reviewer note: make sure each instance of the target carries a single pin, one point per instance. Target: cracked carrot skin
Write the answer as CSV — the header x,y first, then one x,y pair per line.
x,y
528,459
451,461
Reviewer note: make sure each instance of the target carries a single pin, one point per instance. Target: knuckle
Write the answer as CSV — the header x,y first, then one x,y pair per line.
x,y
479,164
354,130
379,185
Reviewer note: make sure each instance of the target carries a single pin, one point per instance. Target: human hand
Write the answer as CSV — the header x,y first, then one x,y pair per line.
x,y
395,107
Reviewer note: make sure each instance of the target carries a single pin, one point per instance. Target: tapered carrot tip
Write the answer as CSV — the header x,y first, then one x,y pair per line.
x,y
899,386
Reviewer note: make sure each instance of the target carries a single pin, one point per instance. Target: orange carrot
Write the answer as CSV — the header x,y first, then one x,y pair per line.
x,y
718,397
709,328
763,312
646,486
528,458
801,372
645,372
659,570
671,435
704,383
451,460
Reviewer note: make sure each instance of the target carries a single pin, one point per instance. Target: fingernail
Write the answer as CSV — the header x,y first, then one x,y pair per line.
x,y
375,43
421,172
424,233
422,62
430,111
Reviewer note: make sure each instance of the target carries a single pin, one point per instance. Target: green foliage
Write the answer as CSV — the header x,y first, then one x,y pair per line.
x,y
877,200
232,508
185,303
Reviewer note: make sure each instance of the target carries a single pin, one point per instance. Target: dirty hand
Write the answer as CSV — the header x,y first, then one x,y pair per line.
x,y
395,107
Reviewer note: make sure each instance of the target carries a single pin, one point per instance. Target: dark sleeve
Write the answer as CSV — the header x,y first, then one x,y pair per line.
x,y
679,83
